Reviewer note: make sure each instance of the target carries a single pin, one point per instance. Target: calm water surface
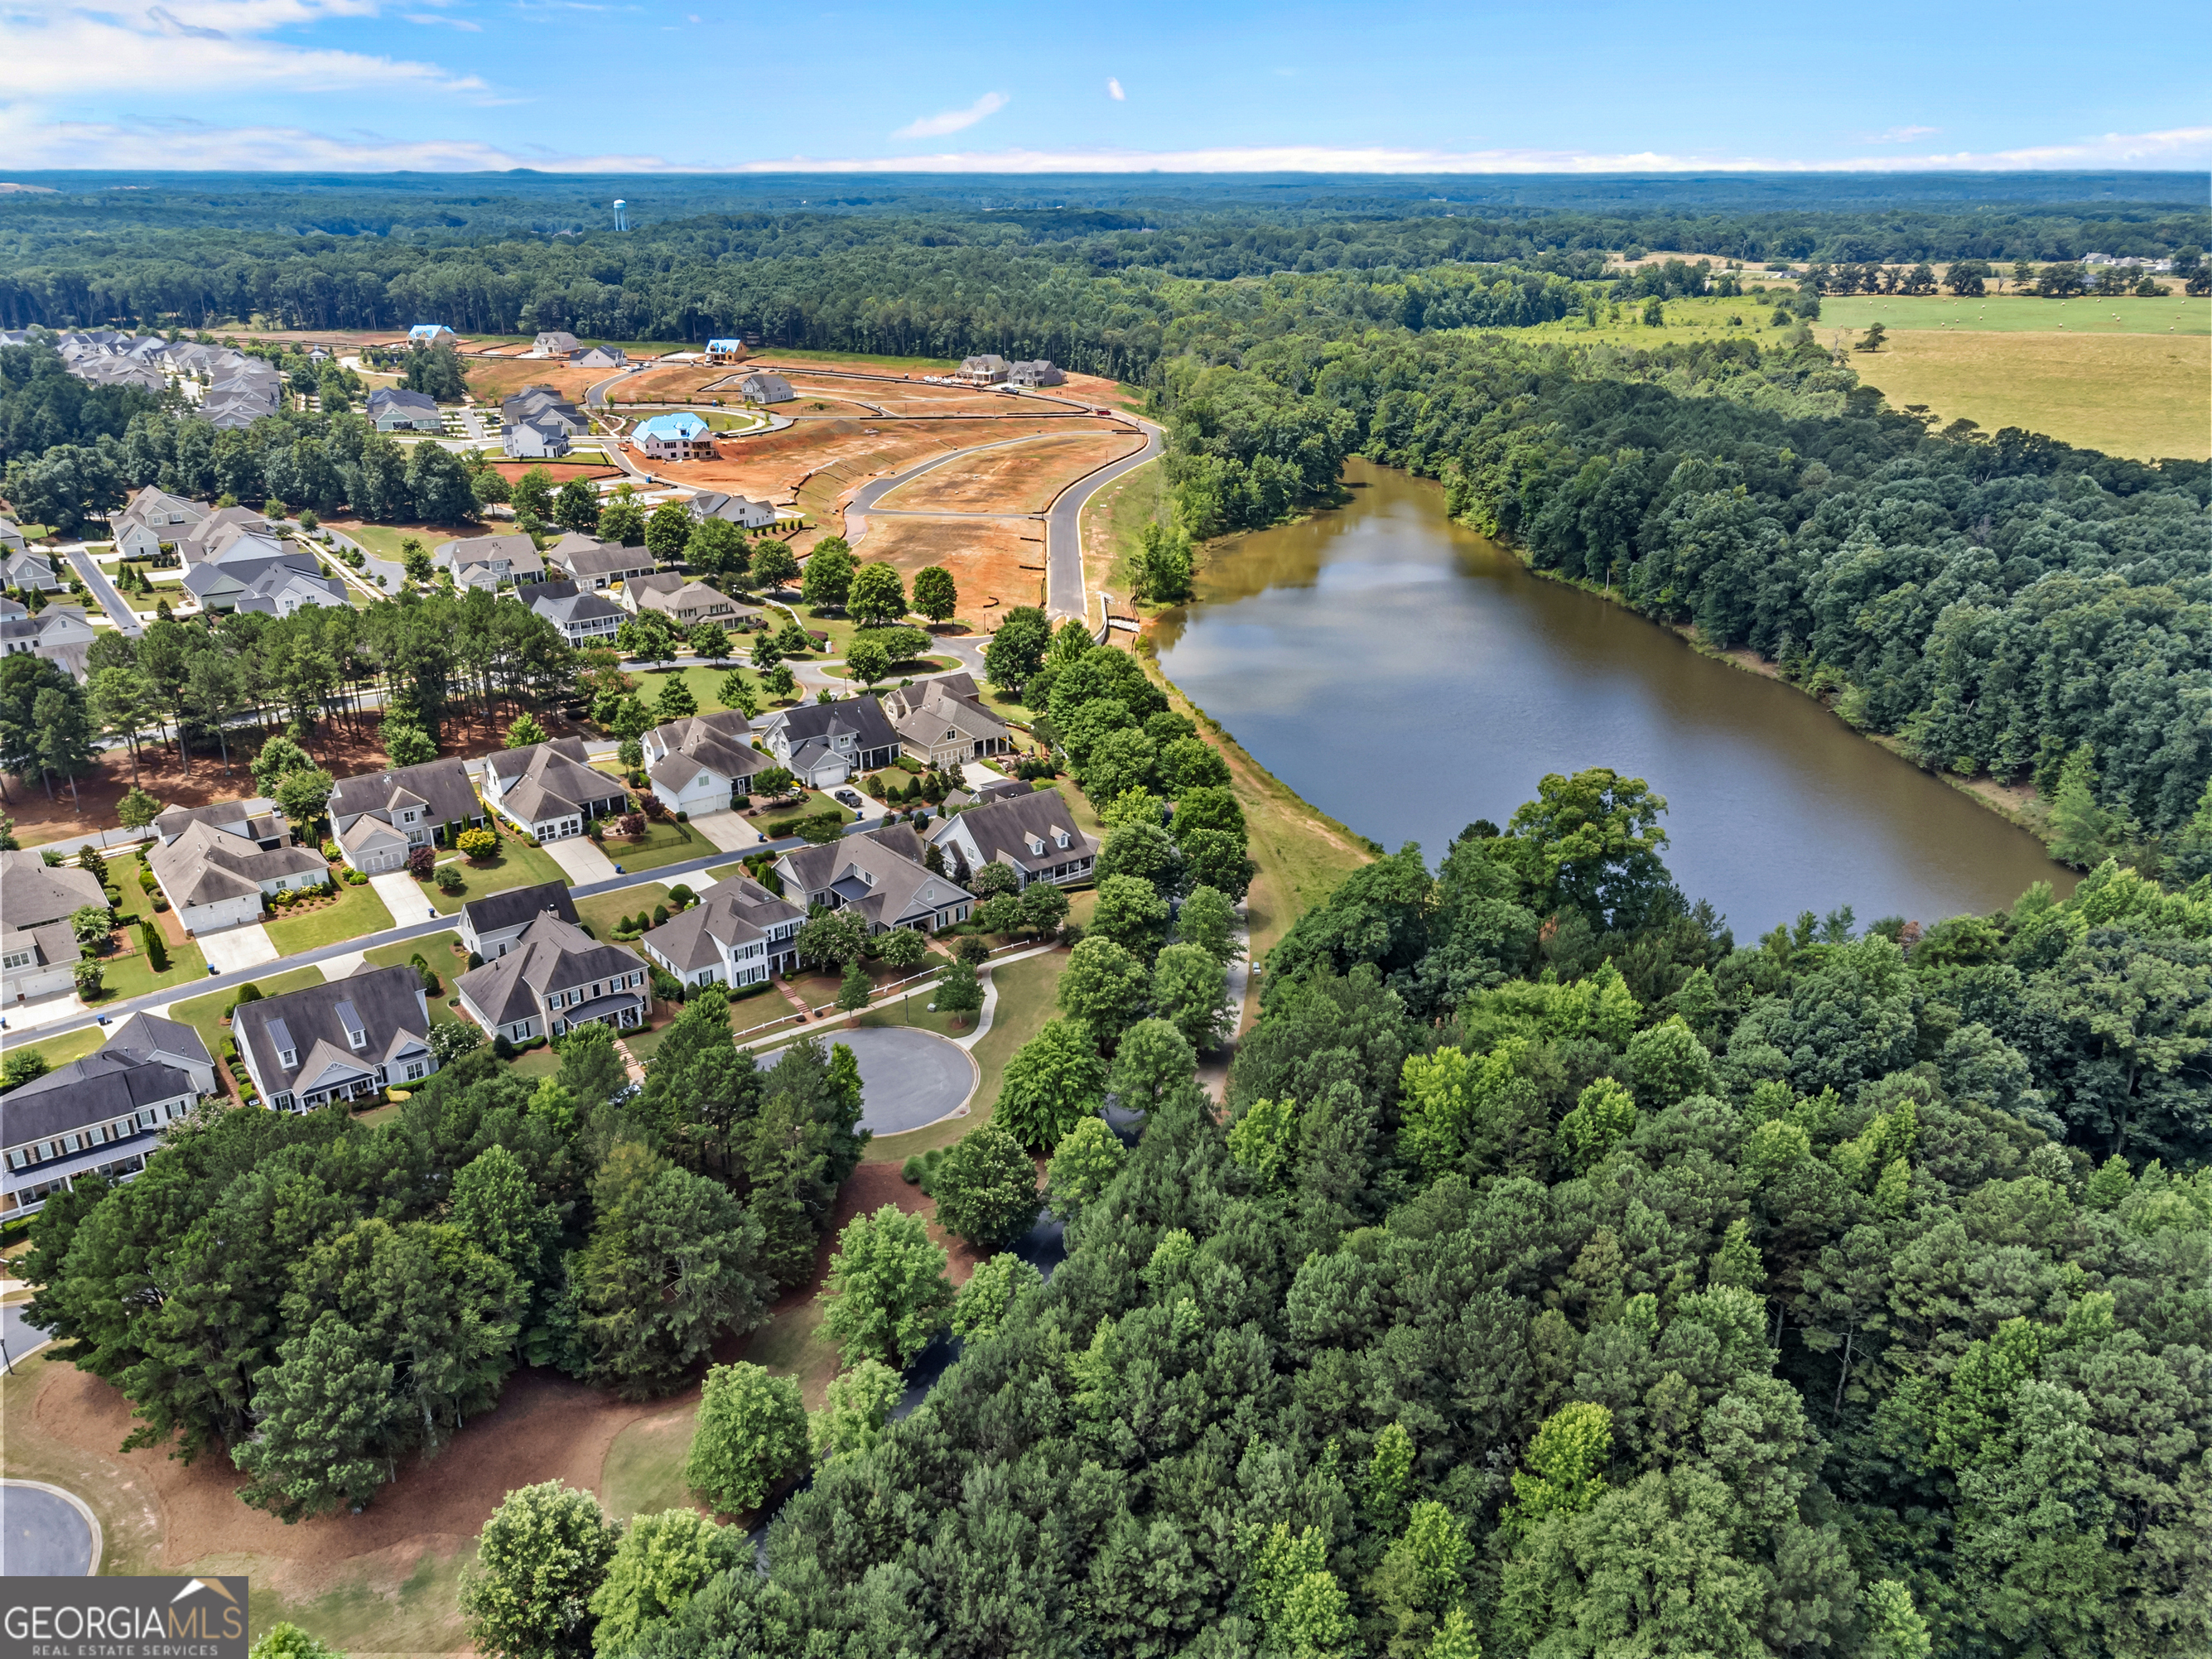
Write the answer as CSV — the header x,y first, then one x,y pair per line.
x,y
1408,676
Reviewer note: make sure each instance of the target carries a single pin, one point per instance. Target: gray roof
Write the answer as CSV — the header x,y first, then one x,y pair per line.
x,y
100,1086
767,387
395,397
442,787
575,607
893,883
721,743
1002,829
587,556
497,912
862,716
518,550
738,911
149,1036
386,1004
205,864
553,954
549,779
262,815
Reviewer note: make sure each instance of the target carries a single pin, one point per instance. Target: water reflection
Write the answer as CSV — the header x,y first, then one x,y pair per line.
x,y
1408,676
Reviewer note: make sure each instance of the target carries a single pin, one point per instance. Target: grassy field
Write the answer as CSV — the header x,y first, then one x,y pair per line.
x,y
2016,313
517,865
384,539
358,913
663,843
602,912
1112,521
643,1473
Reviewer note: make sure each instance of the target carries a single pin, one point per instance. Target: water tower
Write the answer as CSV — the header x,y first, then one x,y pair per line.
x,y
622,218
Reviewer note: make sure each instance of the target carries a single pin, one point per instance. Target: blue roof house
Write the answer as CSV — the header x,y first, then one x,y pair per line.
x,y
725,351
676,437
429,334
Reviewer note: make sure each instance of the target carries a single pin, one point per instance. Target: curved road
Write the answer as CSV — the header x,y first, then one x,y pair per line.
x,y
1063,536
44,1533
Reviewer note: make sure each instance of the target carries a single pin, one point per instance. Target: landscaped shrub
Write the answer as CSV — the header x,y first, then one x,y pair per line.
x,y
478,844
421,860
632,824
659,916
356,878
682,896
449,879
683,817
151,941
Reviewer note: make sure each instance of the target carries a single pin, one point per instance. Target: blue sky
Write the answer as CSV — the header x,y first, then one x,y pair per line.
x,y
1422,87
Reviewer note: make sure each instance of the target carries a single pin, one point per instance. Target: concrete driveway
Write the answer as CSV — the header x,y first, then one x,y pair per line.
x,y
402,896
582,859
234,949
730,831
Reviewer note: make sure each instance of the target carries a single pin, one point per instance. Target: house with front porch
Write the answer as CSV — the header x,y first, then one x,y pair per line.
x,y
549,789
378,818
1034,836
879,875
103,1114
943,722
740,510
488,561
594,564
825,743
584,618
738,934
154,520
554,979
494,925
342,1040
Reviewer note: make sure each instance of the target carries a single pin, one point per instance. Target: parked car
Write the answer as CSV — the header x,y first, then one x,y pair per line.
x,y
850,798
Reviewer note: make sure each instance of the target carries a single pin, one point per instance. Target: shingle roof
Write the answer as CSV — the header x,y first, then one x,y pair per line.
x,y
101,1085
554,775
862,716
204,865
738,911
497,912
901,885
1004,827
553,953
442,786
388,1002
31,895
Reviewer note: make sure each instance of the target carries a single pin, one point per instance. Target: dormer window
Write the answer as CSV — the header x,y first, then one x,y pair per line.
x,y
1059,837
288,1058
1036,844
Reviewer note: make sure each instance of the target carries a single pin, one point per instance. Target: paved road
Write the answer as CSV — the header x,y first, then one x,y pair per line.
x,y
118,609
42,1533
1063,537
908,1077
875,490
22,1339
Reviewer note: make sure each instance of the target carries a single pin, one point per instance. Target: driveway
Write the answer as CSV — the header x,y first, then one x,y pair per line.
x,y
402,896
582,859
728,830
118,609
234,949
44,1010
44,1533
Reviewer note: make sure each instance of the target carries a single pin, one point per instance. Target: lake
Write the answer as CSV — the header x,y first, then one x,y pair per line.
x,y
1408,677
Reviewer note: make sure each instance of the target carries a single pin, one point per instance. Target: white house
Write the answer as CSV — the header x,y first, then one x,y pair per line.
x,y
555,978
598,356
738,933
1034,836
37,945
378,818
943,722
341,1040
824,744
700,763
550,789
553,343
154,520
103,1114
676,436
395,408
431,334
218,863
739,510
583,618
492,926
880,876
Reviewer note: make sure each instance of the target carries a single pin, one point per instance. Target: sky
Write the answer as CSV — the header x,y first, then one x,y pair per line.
x,y
1421,87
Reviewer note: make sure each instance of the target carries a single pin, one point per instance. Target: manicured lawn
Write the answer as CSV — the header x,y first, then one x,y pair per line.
x,y
127,974
721,872
60,1050
204,1014
786,820
384,540
517,865
913,1009
602,912
643,1473
358,913
642,1043
1026,999
440,950
705,680
537,1063
664,842
900,670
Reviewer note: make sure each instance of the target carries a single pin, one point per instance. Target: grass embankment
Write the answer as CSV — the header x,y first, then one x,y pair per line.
x,y
1112,521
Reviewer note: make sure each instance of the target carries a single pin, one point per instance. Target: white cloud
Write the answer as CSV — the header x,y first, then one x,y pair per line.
x,y
954,120
1901,135
113,58
185,145
449,22
1114,90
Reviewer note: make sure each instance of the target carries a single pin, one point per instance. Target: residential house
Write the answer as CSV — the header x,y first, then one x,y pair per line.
x,y
879,875
676,436
28,570
431,334
725,351
762,387
738,933
222,876
593,563
988,368
550,789
276,585
154,520
540,403
823,743
943,722
737,510
11,535
555,978
395,408
491,926
598,356
542,439
1034,836
378,818
205,541
62,633
39,951
700,763
243,390
488,561
684,602
552,342
584,618
341,1040
103,1114
1036,374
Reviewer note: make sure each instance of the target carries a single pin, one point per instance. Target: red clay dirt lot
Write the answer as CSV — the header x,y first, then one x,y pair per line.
x,y
558,471
493,378
1019,478
996,563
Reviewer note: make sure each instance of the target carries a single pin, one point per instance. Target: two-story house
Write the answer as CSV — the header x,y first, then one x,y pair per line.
x,y
549,788
740,510
943,722
494,925
26,570
583,617
738,933
555,978
684,602
395,408
701,763
879,875
1034,834
378,818
62,633
38,947
824,744
103,1114
154,520
487,561
594,564
342,1040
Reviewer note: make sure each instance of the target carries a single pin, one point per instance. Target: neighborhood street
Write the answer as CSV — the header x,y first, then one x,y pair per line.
x,y
118,609
1063,546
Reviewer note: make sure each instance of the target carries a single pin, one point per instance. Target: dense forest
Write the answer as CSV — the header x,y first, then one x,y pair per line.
x,y
1563,1278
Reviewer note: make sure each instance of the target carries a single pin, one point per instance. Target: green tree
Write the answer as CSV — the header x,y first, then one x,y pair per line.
x,y
708,640
1082,1166
835,938
661,1563
855,1408
1567,1461
1592,841
415,559
959,992
1600,1120
406,743
1422,1578
326,1421
828,578
1131,915
1016,648
675,702
1872,339
1208,920
866,661
278,758
855,988
622,519
985,1189
887,1290
1163,564
903,948
990,1291
935,594
773,565
532,496
2082,831
302,796
737,692
668,531
877,597
1151,1060
137,808
751,1433
1044,908
524,731
1264,1139
287,1641
540,1559
1054,1080
577,507
1190,991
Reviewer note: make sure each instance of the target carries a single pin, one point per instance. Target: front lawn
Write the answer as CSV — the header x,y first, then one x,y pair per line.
x,y
384,540
663,843
517,865
60,1050
441,951
358,913
601,912
705,680
786,819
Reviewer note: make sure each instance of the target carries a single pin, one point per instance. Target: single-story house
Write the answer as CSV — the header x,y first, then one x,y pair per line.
x,y
542,439
679,435
555,978
102,1115
739,510
431,334
988,368
488,561
378,818
149,1038
213,535
725,351
336,1041
738,933
764,387
278,584
217,879
943,722
584,618
550,789
598,356
701,762
395,408
154,520
881,876
1034,836
593,563
540,403
62,633
553,343
28,570
39,951
490,926
1039,373
686,604
824,744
